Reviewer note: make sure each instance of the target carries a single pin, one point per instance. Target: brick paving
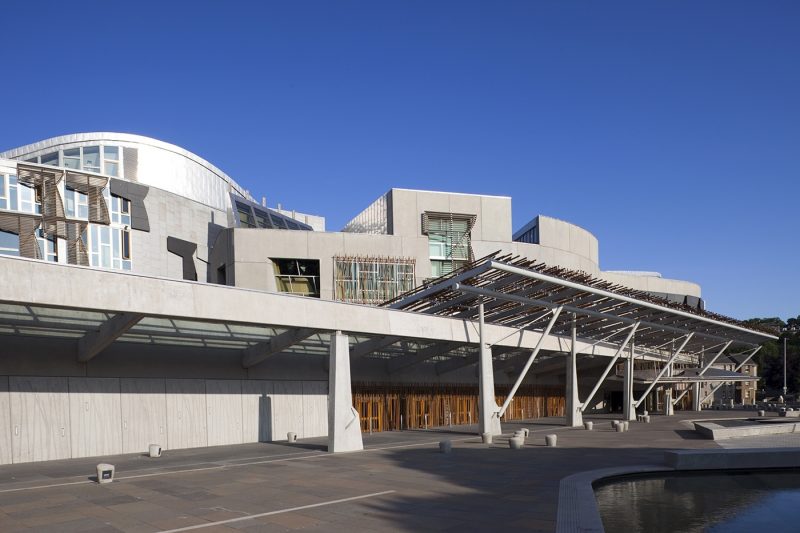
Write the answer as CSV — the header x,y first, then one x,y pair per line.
x,y
476,487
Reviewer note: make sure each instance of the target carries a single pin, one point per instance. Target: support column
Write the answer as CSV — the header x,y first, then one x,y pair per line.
x,y
669,409
573,403
488,418
696,406
344,426
628,407
669,393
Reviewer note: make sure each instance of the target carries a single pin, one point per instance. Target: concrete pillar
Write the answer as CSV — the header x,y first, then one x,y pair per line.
x,y
696,397
488,421
344,425
573,403
669,409
628,409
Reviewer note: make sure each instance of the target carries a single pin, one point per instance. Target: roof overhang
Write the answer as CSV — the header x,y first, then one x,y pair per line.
x,y
521,293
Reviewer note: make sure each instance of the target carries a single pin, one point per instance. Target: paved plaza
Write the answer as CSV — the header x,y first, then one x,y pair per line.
x,y
399,483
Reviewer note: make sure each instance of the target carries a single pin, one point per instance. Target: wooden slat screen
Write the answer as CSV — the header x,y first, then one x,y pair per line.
x,y
386,407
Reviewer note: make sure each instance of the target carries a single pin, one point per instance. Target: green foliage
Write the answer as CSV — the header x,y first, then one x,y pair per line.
x,y
770,357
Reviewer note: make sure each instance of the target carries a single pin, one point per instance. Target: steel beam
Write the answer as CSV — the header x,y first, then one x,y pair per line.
x,y
429,352
703,371
738,367
259,352
577,310
601,292
373,345
545,334
439,287
664,370
94,342
609,367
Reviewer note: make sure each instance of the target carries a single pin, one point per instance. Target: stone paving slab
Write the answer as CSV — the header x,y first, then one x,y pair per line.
x,y
476,487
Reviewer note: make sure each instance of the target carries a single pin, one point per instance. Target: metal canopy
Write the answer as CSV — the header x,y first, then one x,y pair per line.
x,y
520,293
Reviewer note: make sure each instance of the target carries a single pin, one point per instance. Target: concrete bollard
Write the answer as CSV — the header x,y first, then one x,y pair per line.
x,y
761,412
515,443
154,450
105,473
614,424
291,436
445,446
626,425
486,438
646,419
620,428
551,440
588,425
645,413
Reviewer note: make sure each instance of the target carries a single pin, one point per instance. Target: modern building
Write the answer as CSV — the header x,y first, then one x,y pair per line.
x,y
153,299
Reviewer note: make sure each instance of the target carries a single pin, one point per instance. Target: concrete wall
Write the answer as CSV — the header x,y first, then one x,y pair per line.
x,y
44,418
174,216
253,250
493,212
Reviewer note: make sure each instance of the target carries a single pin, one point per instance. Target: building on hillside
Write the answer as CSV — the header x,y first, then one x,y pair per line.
x,y
154,299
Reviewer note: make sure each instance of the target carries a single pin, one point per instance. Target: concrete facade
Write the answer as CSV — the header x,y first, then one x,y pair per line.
x,y
194,344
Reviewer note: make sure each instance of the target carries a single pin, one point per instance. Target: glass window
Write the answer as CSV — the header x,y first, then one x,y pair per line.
x,y
29,200
12,193
111,160
3,192
76,204
48,247
245,216
50,159
91,158
297,276
72,158
9,243
126,244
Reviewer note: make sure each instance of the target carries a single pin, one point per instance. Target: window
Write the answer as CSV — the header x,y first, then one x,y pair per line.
x,y
76,204
111,160
246,219
50,159
9,243
369,280
30,199
449,246
72,158
48,247
120,210
297,276
110,246
9,190
91,158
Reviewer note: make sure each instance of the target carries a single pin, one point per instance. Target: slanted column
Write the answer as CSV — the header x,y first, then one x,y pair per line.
x,y
573,403
488,419
628,407
344,425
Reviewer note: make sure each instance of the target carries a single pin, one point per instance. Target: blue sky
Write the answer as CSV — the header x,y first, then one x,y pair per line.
x,y
670,130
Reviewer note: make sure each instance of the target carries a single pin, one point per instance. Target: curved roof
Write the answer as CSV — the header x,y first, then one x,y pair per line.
x,y
200,194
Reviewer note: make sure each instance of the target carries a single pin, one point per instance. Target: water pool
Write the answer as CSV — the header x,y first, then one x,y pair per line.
x,y
766,501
